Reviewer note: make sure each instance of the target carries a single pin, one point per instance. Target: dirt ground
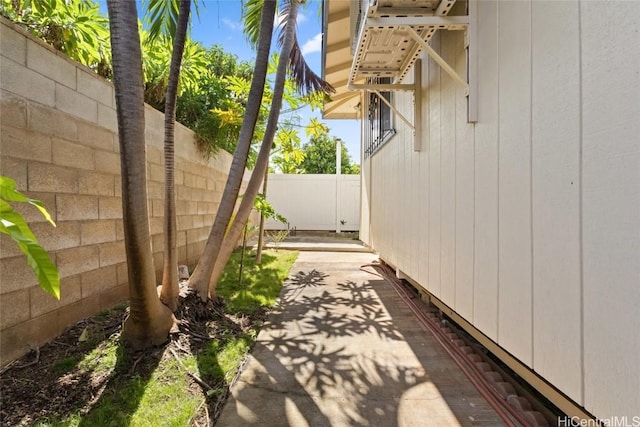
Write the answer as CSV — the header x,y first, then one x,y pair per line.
x,y
48,383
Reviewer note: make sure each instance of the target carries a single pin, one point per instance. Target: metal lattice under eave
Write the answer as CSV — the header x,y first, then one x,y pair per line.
x,y
392,35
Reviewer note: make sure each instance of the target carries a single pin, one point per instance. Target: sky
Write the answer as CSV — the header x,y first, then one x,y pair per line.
x,y
219,22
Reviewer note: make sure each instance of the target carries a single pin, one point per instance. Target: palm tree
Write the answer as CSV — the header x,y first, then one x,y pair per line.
x,y
149,320
199,280
169,294
307,81
258,174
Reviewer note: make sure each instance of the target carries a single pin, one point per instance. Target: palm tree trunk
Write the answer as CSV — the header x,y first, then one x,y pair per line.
x,y
262,162
169,293
202,273
149,320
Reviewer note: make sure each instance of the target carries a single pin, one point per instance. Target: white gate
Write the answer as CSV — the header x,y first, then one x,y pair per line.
x,y
315,202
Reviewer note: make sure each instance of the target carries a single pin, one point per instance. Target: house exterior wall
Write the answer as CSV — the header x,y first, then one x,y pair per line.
x,y
527,223
308,201
59,143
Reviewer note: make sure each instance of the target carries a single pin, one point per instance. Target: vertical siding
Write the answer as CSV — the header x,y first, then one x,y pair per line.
x,y
401,241
528,222
464,169
435,230
486,175
514,296
448,172
423,196
611,205
414,185
555,194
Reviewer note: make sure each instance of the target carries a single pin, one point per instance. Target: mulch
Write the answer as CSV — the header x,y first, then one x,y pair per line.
x,y
46,383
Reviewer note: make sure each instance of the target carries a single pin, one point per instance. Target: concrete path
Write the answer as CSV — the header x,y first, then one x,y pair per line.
x,y
342,350
319,243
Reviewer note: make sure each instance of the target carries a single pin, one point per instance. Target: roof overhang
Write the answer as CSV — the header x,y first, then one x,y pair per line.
x,y
387,37
337,59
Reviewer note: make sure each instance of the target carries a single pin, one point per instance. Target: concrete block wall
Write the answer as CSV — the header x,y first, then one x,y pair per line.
x,y
59,143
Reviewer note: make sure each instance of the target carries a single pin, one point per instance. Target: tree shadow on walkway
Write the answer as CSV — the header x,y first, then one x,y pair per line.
x,y
319,362
303,352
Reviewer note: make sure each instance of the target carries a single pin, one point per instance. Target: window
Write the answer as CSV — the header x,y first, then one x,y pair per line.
x,y
380,123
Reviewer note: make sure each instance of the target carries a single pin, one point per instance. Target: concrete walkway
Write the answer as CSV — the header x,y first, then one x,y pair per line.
x,y
319,243
342,350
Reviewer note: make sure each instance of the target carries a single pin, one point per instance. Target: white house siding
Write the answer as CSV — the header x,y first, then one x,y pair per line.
x,y
485,279
555,193
610,73
527,223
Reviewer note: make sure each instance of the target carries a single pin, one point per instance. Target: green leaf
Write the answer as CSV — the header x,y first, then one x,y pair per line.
x,y
10,218
251,14
316,128
261,204
37,258
14,225
38,205
162,18
8,190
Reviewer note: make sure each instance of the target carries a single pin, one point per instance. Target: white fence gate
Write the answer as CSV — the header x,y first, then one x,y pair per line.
x,y
315,202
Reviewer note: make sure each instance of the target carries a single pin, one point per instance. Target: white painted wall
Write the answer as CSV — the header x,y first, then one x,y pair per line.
x,y
528,223
308,201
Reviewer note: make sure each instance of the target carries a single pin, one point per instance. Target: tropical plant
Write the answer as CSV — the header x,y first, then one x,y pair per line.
x,y
259,170
169,293
265,184
199,280
287,153
76,28
266,209
291,60
197,105
13,225
149,320
157,54
320,156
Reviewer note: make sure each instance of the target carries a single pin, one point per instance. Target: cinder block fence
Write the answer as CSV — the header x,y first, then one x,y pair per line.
x,y
59,143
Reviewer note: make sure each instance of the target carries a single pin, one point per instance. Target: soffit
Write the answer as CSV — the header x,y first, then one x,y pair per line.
x,y
337,60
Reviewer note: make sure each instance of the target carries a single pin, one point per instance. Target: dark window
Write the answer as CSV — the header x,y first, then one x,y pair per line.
x,y
380,123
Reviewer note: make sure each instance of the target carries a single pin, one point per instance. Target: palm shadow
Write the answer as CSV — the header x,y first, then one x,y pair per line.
x,y
315,363
291,353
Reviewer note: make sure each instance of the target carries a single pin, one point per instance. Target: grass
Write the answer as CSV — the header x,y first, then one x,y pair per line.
x,y
156,390
260,284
